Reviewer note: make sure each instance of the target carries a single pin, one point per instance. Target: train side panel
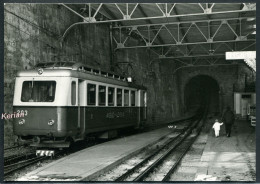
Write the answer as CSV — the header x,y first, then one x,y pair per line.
x,y
61,105
46,121
102,119
66,120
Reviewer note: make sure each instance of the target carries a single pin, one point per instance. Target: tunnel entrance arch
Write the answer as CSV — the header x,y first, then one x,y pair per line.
x,y
200,90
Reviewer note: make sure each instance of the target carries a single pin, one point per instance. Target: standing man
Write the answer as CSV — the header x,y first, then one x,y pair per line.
x,y
228,119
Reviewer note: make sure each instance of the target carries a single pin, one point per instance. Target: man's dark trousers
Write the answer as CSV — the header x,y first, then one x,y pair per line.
x,y
228,129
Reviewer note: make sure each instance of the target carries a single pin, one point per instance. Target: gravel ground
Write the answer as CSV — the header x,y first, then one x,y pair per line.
x,y
17,151
21,173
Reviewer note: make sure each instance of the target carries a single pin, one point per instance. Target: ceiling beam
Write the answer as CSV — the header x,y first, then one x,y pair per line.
x,y
219,53
105,11
248,9
187,22
150,22
194,43
238,26
181,30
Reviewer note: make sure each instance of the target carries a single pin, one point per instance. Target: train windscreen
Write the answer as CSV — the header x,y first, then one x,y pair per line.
x,y
38,91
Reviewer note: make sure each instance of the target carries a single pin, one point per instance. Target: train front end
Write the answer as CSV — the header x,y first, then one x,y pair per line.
x,y
39,109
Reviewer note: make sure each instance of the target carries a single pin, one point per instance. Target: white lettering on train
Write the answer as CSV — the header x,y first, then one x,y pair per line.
x,y
17,114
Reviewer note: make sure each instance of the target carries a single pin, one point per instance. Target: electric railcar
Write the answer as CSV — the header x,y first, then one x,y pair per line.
x,y
64,101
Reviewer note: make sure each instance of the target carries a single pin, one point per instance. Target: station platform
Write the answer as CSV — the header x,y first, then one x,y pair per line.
x,y
222,158
87,163
209,159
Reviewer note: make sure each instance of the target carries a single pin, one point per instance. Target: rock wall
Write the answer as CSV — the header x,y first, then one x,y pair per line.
x,y
230,78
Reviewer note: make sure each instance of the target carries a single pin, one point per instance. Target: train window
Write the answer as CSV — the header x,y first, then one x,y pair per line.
x,y
110,75
102,95
145,98
81,69
116,77
132,98
38,91
246,96
96,71
126,98
73,93
119,97
91,94
111,96
88,69
104,73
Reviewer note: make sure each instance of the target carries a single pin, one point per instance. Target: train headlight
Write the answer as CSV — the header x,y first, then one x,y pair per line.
x,y
21,122
129,79
40,71
51,122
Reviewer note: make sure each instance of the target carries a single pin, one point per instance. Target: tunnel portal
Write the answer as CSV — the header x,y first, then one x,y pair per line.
x,y
201,90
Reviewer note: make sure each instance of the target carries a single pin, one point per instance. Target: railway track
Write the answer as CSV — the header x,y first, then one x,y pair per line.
x,y
15,163
159,164
19,162
11,168
16,158
166,164
13,147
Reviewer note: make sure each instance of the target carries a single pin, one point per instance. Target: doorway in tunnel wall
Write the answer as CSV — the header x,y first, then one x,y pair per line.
x,y
202,90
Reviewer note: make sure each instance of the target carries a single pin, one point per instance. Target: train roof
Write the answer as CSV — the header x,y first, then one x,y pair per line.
x,y
74,66
78,70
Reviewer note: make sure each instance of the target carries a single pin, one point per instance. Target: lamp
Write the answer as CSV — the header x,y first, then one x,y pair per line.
x,y
129,79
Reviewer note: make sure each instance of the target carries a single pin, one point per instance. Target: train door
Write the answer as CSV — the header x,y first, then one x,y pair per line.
x,y
72,113
245,100
142,103
237,103
82,99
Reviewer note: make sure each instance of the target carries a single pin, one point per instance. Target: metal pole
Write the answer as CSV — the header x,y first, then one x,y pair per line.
x,y
112,67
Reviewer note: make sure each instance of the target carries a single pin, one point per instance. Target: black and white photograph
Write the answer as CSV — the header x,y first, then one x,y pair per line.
x,y
129,92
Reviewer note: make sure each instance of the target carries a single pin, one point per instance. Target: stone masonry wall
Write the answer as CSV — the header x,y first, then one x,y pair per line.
x,y
245,76
162,95
230,78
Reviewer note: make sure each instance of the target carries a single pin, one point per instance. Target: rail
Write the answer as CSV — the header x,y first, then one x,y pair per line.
x,y
170,145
